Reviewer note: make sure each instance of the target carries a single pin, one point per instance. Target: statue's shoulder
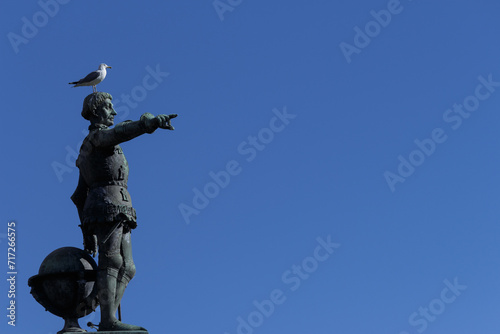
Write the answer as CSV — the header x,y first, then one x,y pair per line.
x,y
99,137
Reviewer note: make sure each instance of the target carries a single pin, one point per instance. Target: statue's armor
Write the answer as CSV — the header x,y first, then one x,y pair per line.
x,y
102,195
108,196
104,170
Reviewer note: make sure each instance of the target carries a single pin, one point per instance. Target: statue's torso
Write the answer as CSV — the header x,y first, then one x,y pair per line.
x,y
105,171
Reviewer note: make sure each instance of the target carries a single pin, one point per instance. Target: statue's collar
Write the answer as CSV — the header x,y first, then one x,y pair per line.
x,y
97,127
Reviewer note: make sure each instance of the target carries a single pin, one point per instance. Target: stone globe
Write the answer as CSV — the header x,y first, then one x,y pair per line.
x,y
66,286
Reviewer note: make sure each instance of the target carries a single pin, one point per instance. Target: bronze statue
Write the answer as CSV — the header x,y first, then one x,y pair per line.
x,y
103,201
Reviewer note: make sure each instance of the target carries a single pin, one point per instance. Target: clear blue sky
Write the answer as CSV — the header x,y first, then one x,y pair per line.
x,y
355,144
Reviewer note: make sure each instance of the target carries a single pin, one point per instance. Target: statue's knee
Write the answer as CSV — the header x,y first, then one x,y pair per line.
x,y
113,261
129,270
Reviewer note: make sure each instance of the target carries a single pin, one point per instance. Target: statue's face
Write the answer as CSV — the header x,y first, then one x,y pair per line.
x,y
105,113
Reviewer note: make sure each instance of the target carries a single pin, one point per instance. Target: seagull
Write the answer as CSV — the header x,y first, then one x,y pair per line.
x,y
93,78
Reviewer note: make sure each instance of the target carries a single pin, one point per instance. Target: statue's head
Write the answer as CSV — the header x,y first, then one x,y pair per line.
x,y
98,109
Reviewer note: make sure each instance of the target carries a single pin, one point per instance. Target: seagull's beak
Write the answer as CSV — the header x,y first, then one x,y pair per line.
x,y
108,66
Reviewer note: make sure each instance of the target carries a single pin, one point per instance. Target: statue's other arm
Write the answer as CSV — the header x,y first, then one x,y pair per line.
x,y
79,197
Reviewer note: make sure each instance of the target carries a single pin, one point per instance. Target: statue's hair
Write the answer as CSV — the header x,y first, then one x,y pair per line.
x,y
92,102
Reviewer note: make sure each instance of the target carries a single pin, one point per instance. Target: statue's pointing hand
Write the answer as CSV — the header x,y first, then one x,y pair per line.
x,y
161,121
164,121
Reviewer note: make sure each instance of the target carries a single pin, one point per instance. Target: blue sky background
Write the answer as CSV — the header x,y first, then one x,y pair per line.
x,y
323,175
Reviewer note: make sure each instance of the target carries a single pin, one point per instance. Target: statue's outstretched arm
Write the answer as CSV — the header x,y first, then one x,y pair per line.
x,y
128,130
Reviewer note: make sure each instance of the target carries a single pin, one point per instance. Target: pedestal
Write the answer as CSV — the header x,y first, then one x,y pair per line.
x,y
109,332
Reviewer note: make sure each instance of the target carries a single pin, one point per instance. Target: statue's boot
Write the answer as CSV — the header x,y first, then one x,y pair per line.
x,y
121,285
120,326
106,285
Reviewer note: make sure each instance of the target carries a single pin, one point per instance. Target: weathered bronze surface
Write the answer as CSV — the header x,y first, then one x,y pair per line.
x,y
65,286
69,283
104,203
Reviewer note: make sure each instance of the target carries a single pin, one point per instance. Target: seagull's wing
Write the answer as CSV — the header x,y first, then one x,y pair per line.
x,y
90,77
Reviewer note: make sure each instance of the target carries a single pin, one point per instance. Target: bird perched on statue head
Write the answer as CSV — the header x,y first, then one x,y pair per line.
x,y
93,78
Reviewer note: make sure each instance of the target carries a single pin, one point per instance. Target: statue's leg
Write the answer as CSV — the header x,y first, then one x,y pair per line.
x,y
110,262
127,271
106,283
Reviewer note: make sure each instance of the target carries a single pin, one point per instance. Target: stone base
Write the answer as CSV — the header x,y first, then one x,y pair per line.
x,y
109,332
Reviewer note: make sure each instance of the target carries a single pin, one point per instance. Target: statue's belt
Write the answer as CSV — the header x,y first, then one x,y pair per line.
x,y
111,209
122,184
116,209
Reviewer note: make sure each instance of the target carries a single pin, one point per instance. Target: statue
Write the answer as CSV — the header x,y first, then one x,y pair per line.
x,y
104,203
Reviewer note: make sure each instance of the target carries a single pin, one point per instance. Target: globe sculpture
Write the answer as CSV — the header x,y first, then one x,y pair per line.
x,y
65,286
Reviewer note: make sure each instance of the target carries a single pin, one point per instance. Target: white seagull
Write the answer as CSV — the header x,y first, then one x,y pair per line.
x,y
93,78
